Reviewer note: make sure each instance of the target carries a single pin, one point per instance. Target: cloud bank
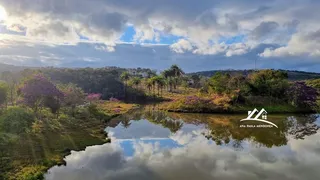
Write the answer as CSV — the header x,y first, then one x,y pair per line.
x,y
220,30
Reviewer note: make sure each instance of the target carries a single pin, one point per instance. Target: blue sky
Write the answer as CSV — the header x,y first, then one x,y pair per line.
x,y
129,33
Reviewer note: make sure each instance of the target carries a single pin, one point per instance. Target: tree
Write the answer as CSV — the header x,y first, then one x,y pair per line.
x,y
152,81
168,75
3,92
218,83
37,90
149,84
135,81
301,95
177,72
159,82
150,73
125,76
269,83
73,96
11,80
196,80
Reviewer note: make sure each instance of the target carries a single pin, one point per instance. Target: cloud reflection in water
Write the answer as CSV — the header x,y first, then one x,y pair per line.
x,y
194,158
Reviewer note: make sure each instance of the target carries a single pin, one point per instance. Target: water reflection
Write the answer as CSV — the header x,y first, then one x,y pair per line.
x,y
157,145
224,129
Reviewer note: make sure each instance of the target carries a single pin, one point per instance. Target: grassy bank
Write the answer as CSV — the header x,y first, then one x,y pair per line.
x,y
190,101
29,155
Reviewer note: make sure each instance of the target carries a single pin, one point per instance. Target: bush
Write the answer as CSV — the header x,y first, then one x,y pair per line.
x,y
16,120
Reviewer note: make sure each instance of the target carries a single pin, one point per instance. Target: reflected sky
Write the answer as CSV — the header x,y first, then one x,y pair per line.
x,y
146,150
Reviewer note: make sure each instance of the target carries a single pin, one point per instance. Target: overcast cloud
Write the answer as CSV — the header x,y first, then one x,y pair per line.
x,y
204,35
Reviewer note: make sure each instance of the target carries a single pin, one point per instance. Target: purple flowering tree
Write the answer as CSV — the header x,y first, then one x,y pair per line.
x,y
301,95
94,97
38,92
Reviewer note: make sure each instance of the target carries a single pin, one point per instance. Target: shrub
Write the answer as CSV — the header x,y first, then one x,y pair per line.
x,y
114,100
222,100
16,120
301,95
94,97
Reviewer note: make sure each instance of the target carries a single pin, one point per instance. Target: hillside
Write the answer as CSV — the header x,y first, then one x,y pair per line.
x,y
7,67
293,75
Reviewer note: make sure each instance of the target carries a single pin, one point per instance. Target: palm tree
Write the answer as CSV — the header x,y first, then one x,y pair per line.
x,y
125,76
149,84
152,81
168,74
161,82
136,81
177,73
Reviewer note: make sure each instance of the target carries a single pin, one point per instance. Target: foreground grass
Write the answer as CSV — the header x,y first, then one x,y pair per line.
x,y
51,139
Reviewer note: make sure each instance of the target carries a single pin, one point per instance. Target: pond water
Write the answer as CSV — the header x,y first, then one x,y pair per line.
x,y
150,144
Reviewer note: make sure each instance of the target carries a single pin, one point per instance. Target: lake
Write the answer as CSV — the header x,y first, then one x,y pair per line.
x,y
149,144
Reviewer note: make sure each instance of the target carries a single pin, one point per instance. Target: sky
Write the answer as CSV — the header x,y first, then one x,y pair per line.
x,y
196,35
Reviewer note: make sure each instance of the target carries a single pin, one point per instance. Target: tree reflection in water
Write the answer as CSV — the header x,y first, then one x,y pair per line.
x,y
301,126
226,130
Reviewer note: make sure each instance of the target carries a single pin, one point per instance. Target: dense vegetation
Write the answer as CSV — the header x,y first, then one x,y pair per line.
x,y
271,89
41,121
292,75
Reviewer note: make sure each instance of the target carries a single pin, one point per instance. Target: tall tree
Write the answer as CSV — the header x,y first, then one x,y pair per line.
x,y
168,74
149,85
125,76
136,81
11,79
177,73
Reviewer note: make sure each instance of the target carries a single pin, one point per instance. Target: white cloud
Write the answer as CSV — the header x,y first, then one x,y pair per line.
x,y
237,49
301,44
200,26
200,22
181,46
105,48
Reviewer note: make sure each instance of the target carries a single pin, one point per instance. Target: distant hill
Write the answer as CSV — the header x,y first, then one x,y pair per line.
x,y
7,67
293,75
